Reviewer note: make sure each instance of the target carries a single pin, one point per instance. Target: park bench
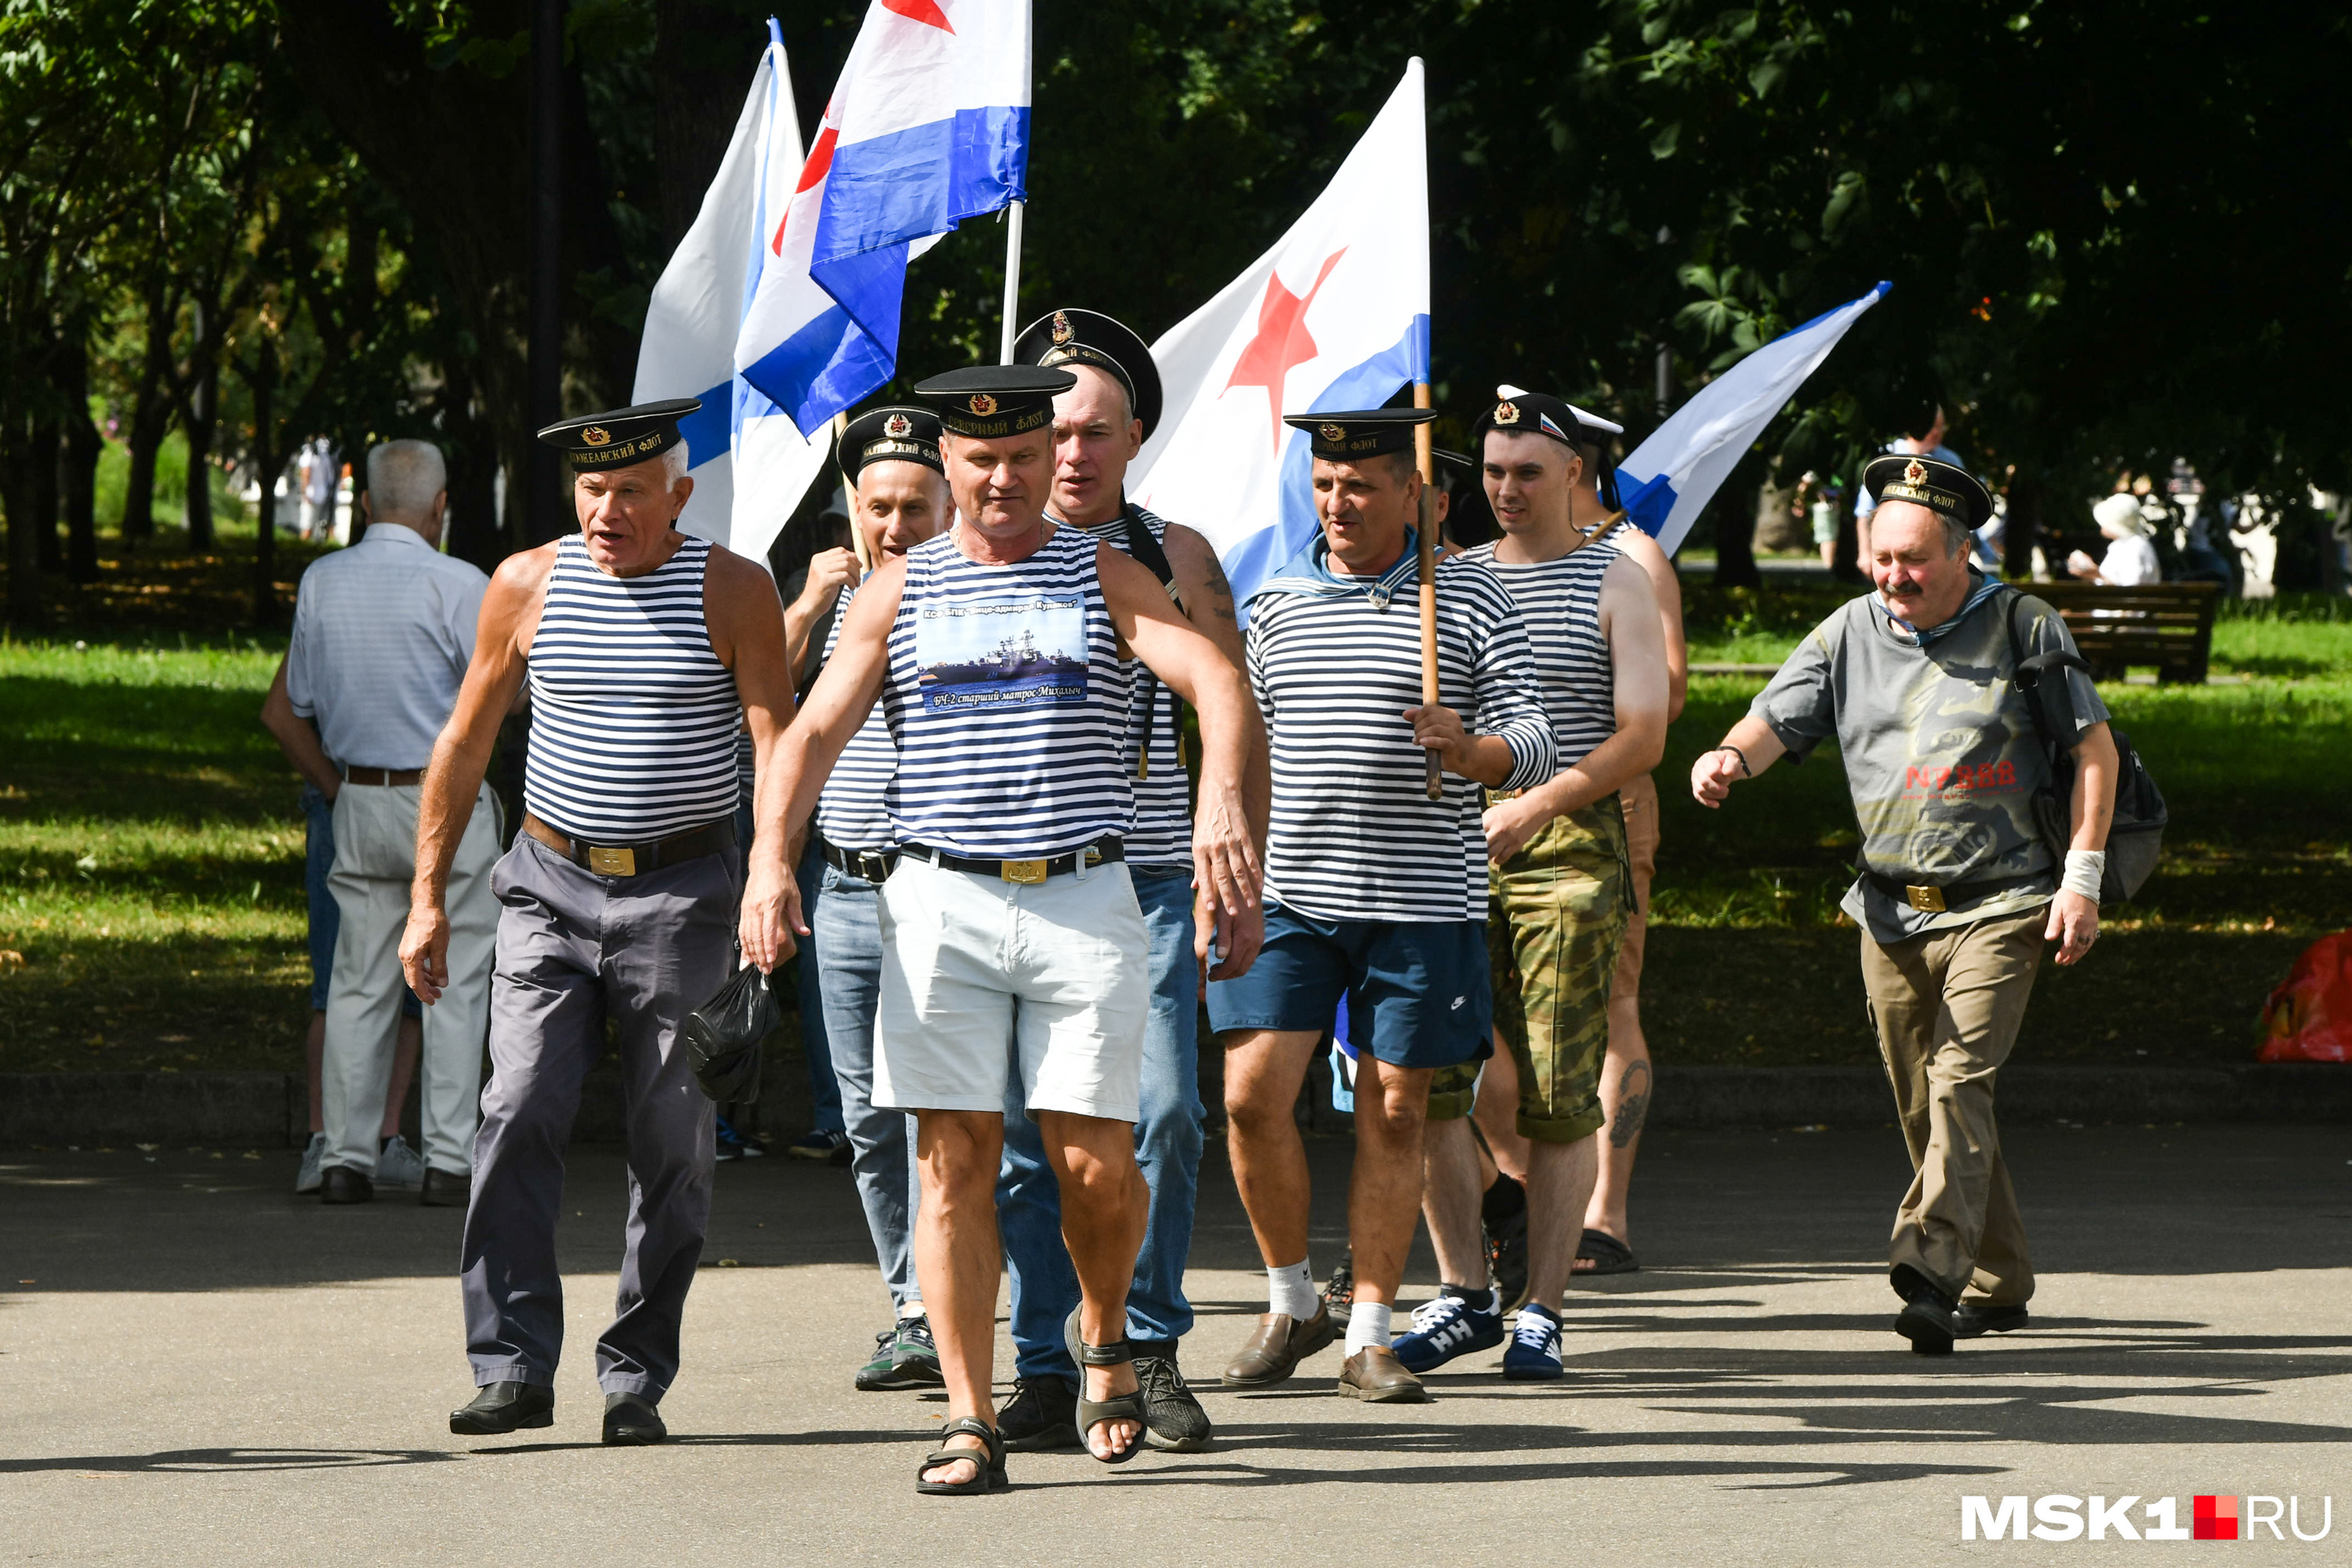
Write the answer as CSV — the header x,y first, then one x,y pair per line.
x,y
2168,624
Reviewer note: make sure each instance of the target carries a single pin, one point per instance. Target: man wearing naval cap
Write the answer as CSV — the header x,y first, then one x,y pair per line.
x,y
1015,950
644,651
1374,891
1920,685
1099,424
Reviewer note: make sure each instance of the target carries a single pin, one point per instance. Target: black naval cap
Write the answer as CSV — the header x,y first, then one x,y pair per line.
x,y
1945,488
619,436
1359,432
1539,413
992,401
1071,337
893,434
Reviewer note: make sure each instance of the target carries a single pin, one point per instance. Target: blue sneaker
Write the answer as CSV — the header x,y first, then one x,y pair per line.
x,y
1448,1327
1534,1355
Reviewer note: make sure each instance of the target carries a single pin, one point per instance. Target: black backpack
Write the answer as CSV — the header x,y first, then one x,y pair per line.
x,y
2135,838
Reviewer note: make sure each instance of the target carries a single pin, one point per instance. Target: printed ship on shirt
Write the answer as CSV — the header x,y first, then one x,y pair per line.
x,y
1039,656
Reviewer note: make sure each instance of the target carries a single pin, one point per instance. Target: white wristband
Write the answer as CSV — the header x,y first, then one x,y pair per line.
x,y
2086,869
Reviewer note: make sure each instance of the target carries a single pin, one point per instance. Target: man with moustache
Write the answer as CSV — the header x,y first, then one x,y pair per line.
x,y
646,650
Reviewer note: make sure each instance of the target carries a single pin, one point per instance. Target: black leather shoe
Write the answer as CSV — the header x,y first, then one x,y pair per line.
x,y
503,1407
1978,1318
342,1184
445,1189
632,1422
1929,1318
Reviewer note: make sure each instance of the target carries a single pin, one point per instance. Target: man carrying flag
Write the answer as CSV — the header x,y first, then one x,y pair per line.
x,y
1098,426
1374,891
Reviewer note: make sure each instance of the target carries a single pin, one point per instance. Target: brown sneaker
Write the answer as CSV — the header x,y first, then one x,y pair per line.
x,y
1280,1343
1374,1376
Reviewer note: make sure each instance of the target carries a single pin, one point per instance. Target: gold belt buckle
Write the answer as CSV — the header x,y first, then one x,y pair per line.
x,y
607,862
1023,871
1926,900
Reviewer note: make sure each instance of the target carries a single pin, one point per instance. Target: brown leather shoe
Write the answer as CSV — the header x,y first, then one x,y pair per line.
x,y
1281,1342
1374,1376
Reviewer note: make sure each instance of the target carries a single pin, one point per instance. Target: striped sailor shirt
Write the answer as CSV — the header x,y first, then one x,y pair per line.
x,y
1335,662
1163,798
851,813
1560,601
633,718
1007,702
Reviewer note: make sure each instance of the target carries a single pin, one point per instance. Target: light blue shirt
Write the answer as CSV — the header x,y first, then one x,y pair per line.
x,y
383,632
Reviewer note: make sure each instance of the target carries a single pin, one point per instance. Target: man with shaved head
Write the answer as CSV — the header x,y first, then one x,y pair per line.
x,y
1922,685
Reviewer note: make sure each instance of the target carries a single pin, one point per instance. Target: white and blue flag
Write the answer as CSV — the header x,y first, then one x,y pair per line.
x,y
750,466
1335,317
1667,481
928,125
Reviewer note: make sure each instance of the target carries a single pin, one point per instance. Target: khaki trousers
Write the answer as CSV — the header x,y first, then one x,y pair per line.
x,y
375,860
1947,1006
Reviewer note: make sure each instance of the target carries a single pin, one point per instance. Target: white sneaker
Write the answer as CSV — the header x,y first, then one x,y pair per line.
x,y
306,1180
399,1167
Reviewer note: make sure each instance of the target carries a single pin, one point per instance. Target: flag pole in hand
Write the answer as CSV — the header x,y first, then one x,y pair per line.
x,y
1426,456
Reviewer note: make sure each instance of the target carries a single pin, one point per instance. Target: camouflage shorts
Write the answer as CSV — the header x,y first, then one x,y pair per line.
x,y
1556,915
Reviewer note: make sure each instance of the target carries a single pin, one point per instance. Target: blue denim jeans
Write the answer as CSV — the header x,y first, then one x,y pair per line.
x,y
1167,1145
816,1042
846,937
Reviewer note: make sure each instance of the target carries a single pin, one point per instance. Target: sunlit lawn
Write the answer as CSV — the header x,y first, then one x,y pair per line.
x,y
151,861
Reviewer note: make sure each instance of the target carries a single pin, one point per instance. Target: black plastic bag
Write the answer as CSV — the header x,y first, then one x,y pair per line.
x,y
724,1036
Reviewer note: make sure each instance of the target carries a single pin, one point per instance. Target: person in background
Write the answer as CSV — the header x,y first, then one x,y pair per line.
x,y
2130,561
1819,498
383,631
317,476
396,1165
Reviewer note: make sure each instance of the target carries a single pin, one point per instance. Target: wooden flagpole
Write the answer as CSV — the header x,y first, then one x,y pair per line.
x,y
1422,450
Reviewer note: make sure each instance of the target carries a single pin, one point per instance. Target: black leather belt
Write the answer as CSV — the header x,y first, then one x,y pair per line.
x,y
1931,899
868,865
635,859
384,777
1100,850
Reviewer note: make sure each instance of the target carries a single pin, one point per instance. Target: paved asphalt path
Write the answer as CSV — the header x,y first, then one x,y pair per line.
x,y
197,1368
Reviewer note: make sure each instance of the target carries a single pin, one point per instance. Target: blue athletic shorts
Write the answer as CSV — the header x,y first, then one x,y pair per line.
x,y
1417,991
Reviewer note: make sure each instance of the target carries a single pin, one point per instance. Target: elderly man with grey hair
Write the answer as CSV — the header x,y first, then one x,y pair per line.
x,y
384,632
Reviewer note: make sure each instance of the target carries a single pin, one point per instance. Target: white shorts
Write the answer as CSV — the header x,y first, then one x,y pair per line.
x,y
984,980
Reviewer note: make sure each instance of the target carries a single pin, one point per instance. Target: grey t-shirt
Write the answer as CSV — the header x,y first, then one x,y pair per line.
x,y
1940,753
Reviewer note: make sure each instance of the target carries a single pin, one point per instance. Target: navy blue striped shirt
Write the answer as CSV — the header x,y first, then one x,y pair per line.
x,y
1008,703
851,813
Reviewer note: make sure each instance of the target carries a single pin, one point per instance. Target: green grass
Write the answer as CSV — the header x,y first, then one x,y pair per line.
x,y
151,851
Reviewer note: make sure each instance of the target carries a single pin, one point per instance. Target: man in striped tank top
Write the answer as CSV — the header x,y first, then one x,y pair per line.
x,y
1099,424
1558,893
899,499
1015,953
646,651
1625,1077
1374,891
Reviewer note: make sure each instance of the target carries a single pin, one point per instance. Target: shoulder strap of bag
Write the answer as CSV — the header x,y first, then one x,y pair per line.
x,y
1148,551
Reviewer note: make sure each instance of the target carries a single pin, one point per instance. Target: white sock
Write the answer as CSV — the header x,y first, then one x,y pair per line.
x,y
1290,1291
910,1310
1368,1324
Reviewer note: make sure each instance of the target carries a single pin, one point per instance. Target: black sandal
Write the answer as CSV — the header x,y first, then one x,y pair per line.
x,y
1605,1253
1093,1413
989,1462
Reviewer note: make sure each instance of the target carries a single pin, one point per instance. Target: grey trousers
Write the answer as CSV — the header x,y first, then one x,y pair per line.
x,y
574,949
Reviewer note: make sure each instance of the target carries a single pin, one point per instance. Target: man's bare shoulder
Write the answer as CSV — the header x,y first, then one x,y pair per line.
x,y
526,571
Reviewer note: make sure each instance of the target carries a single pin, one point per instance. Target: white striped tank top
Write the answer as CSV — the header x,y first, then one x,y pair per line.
x,y
633,718
850,813
1163,799
1560,601
1008,703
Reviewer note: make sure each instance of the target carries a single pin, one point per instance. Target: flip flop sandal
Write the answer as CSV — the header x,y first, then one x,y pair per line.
x,y
989,1462
1606,1253
1092,1413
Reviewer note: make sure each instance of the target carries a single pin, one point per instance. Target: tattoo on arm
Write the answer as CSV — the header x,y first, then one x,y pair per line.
x,y
1632,1106
1220,592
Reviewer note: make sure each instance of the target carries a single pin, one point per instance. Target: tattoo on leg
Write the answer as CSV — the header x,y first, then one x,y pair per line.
x,y
1633,1105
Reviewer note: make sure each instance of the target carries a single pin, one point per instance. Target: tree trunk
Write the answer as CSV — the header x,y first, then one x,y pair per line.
x,y
470,447
79,481
2021,529
704,55
15,488
203,414
149,420
46,450
1734,508
268,457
